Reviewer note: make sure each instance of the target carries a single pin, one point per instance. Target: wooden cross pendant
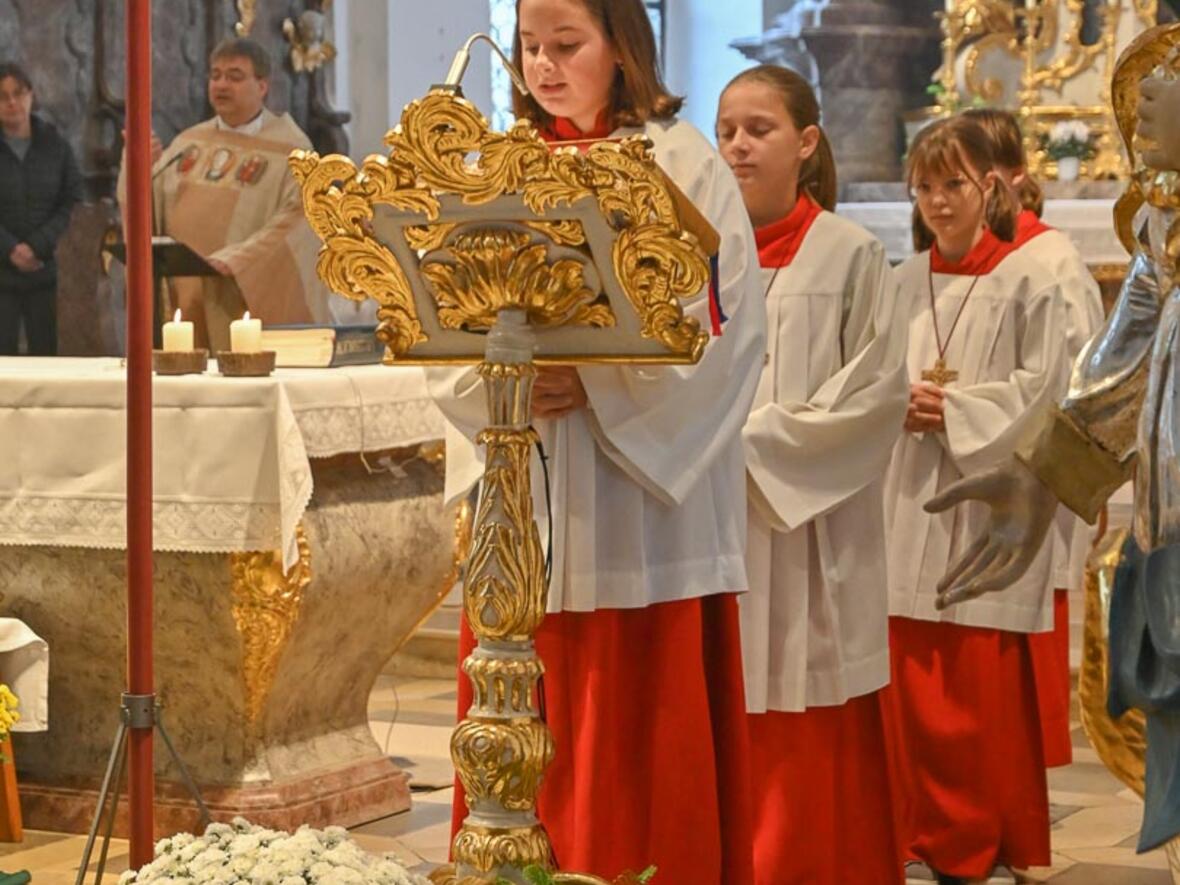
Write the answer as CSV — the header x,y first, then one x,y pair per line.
x,y
940,374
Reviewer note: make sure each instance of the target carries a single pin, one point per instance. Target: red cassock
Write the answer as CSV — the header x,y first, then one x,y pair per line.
x,y
1050,662
652,764
968,747
824,804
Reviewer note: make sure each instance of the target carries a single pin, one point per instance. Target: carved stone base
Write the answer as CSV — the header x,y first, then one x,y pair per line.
x,y
264,678
346,796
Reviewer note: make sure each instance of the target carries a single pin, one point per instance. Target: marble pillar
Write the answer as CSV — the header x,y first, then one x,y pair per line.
x,y
864,54
264,677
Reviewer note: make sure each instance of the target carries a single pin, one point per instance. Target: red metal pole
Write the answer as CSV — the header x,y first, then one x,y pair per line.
x,y
140,776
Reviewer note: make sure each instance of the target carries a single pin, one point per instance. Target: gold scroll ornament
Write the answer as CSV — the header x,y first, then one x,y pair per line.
x,y
656,260
246,16
1027,31
266,604
489,270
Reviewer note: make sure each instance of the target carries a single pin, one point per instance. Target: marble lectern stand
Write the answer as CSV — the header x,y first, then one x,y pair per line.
x,y
493,250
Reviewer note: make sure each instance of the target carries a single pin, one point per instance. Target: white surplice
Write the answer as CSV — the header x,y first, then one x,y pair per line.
x,y
648,483
1071,536
827,411
1010,351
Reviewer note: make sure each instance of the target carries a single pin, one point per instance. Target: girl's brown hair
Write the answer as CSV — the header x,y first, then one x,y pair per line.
x,y
639,93
1008,145
817,175
955,146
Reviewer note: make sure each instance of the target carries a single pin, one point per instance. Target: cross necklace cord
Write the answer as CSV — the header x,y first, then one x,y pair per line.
x,y
940,374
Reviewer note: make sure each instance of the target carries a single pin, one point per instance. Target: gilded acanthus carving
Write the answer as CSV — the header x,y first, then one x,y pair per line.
x,y
356,264
1024,56
428,237
993,21
483,271
656,262
504,594
565,233
486,849
502,760
266,604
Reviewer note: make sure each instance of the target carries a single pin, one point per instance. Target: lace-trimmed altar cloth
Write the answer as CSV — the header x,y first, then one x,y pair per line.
x,y
232,470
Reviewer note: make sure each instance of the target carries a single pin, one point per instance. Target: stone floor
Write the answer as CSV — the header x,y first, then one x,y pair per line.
x,y
1094,829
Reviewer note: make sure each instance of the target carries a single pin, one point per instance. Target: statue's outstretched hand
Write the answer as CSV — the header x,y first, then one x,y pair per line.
x,y
1022,510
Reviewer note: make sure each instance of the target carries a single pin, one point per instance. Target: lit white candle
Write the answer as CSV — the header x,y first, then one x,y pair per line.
x,y
245,335
178,334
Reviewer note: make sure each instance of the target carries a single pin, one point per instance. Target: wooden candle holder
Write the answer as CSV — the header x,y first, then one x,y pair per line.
x,y
246,365
180,362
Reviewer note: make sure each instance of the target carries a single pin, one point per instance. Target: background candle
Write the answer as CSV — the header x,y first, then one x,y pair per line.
x,y
245,335
178,334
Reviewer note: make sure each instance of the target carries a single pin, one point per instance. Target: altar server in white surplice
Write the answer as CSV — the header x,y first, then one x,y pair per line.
x,y
987,355
1071,537
828,408
643,682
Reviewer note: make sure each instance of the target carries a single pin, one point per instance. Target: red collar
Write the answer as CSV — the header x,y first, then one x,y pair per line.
x,y
779,241
983,257
563,129
1028,225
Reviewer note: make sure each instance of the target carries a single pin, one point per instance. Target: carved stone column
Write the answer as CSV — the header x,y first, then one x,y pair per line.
x,y
865,54
869,60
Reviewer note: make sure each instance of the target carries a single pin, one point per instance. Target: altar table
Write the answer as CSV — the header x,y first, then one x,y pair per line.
x,y
300,538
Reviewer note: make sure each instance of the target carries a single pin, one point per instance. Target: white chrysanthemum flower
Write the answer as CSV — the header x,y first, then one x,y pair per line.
x,y
246,843
243,854
209,857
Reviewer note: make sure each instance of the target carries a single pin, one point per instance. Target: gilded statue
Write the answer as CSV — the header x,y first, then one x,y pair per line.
x,y
1117,423
310,47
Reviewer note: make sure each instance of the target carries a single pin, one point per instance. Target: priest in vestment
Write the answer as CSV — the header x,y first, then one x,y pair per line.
x,y
222,187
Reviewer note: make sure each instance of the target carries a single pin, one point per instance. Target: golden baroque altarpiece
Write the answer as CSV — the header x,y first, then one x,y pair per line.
x,y
1047,45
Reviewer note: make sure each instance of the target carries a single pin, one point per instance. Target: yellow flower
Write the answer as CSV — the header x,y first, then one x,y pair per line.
x,y
8,713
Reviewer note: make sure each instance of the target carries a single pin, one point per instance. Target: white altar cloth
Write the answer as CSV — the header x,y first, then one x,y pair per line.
x,y
231,455
1089,223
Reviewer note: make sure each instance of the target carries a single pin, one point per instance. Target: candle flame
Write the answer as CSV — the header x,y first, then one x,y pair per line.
x,y
176,316
246,315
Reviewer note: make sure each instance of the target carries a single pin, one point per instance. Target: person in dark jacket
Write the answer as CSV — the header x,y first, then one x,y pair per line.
x,y
39,185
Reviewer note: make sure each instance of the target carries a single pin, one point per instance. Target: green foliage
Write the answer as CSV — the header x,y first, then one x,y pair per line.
x,y
540,876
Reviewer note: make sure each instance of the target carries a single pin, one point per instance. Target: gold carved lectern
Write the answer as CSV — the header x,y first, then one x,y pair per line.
x,y
496,249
